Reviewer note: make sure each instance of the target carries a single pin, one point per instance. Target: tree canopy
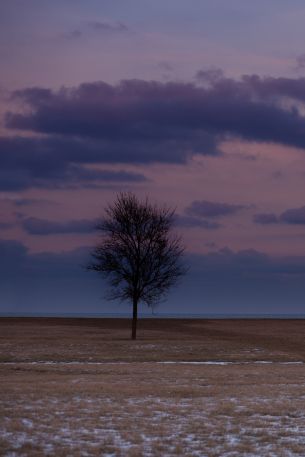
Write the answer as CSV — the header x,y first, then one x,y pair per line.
x,y
138,254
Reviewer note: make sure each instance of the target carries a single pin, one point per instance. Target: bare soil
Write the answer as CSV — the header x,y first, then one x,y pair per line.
x,y
184,388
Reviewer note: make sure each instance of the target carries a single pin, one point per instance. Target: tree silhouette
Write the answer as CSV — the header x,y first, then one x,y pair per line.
x,y
138,254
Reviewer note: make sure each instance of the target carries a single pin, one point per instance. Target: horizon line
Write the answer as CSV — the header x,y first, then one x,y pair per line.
x,y
156,315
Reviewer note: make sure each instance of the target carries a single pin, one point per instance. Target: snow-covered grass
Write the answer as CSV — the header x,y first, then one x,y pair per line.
x,y
152,410
152,427
68,391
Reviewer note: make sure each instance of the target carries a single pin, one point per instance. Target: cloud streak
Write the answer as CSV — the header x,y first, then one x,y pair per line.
x,y
103,28
27,162
106,27
204,208
37,226
293,216
185,221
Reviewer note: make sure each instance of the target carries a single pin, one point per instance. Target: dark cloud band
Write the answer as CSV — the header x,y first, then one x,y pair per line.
x,y
142,122
136,110
244,281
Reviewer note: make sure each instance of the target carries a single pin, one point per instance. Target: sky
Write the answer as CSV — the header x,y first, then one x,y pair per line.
x,y
199,105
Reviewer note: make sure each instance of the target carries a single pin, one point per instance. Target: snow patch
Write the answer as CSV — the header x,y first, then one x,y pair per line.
x,y
27,422
181,362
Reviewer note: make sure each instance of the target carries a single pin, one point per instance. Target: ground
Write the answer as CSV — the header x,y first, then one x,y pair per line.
x,y
81,387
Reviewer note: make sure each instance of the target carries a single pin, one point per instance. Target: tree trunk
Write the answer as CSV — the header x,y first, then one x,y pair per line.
x,y
134,319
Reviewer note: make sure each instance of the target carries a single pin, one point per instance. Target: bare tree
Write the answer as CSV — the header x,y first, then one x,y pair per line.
x,y
137,253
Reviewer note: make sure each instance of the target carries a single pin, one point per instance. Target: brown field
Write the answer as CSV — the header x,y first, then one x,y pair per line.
x,y
81,387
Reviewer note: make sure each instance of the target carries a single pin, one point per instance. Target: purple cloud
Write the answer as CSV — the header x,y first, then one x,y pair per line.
x,y
97,27
204,208
106,27
76,33
210,76
191,221
138,121
36,226
56,163
265,218
295,216
137,110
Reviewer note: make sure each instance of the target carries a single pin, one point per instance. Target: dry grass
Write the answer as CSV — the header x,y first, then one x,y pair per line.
x,y
98,407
